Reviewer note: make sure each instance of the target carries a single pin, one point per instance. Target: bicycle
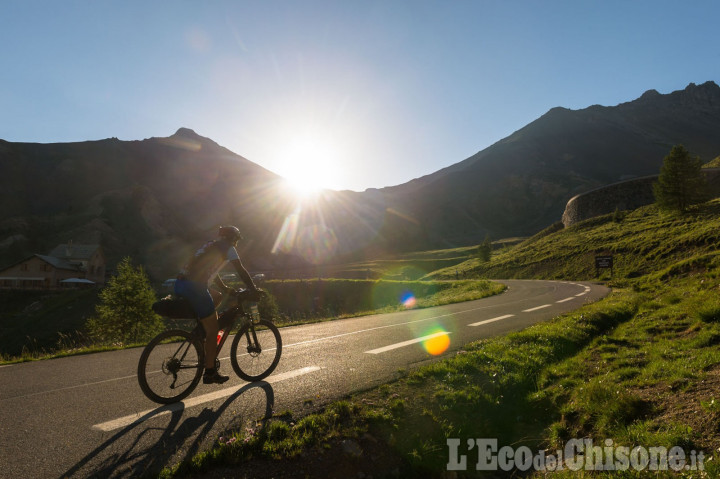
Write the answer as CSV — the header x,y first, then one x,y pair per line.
x,y
172,363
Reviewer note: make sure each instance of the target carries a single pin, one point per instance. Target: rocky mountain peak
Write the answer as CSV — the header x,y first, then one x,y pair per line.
x,y
707,92
187,133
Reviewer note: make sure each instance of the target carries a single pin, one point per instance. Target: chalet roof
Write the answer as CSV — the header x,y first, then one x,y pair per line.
x,y
74,251
59,263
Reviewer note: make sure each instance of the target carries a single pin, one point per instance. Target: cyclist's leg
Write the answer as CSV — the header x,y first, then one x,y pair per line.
x,y
210,324
202,302
216,296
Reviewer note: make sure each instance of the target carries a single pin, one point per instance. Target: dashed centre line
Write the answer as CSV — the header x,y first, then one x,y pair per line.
x,y
536,308
492,320
406,343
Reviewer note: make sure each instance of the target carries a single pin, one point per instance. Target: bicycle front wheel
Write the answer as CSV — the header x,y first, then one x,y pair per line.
x,y
170,366
256,352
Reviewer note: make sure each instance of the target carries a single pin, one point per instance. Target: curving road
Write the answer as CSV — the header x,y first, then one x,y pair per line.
x,y
85,416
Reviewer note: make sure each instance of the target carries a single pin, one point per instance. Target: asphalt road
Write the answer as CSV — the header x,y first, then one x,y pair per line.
x,y
85,416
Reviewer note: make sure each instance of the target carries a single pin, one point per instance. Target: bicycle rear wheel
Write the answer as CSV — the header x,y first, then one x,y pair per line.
x,y
255,353
170,366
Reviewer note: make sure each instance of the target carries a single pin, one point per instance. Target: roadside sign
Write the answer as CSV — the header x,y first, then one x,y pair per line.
x,y
603,262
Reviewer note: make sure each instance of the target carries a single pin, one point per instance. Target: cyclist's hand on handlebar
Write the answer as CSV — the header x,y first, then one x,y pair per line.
x,y
256,293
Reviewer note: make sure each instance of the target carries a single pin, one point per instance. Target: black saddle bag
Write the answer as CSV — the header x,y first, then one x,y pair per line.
x,y
175,308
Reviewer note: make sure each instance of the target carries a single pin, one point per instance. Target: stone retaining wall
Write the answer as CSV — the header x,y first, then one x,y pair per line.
x,y
625,195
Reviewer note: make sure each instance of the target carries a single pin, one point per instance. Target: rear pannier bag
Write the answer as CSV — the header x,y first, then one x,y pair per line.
x,y
175,308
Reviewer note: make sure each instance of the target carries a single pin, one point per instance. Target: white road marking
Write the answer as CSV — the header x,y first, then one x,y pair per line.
x,y
492,320
566,300
71,387
406,343
581,294
179,406
536,308
325,338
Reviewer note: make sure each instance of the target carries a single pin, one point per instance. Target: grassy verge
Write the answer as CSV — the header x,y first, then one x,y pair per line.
x,y
652,381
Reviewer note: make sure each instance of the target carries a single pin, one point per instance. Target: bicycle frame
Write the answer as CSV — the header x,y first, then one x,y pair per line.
x,y
227,321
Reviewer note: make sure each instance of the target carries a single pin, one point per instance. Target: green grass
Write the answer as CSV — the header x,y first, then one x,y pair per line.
x,y
637,367
643,242
401,267
619,385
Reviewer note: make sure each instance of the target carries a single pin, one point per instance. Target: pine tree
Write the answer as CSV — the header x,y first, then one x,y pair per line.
x,y
124,314
681,183
485,250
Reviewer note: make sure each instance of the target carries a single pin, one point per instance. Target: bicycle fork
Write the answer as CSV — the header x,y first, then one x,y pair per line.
x,y
253,343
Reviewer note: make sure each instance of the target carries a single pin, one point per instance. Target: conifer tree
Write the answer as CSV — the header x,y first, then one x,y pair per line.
x,y
681,183
124,314
485,250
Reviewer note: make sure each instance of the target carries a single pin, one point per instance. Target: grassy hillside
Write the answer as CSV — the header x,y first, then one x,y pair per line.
x,y
639,368
402,267
642,242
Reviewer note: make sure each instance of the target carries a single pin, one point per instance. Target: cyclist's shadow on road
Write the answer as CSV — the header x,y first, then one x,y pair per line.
x,y
135,449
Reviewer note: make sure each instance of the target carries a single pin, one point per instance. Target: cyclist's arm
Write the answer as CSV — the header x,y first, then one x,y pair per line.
x,y
220,284
243,274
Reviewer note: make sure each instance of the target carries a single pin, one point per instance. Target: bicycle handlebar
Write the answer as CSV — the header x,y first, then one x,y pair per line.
x,y
248,294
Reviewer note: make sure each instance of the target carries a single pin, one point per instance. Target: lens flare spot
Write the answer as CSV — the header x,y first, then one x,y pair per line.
x,y
437,343
408,300
286,239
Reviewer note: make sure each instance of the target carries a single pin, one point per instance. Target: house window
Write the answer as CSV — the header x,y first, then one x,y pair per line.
x,y
24,267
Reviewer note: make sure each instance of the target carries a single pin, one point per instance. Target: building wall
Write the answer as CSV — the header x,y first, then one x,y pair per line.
x,y
626,195
96,268
34,273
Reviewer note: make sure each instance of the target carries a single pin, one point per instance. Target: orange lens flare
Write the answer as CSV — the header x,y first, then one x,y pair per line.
x,y
438,343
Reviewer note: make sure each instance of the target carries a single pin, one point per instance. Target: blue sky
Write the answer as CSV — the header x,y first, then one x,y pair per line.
x,y
349,94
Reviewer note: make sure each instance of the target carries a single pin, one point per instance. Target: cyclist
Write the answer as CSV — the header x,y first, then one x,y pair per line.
x,y
193,284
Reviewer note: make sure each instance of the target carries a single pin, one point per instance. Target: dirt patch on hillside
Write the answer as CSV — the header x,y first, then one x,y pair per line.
x,y
361,458
685,406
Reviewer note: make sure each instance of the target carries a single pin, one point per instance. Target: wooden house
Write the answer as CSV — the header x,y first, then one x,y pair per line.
x,y
68,265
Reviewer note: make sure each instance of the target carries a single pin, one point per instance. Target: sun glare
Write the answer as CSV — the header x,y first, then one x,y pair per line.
x,y
309,165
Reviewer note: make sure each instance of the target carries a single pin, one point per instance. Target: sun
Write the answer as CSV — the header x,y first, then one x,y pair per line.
x,y
310,164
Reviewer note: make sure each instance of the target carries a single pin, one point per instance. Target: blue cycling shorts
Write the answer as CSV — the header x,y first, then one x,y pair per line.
x,y
198,295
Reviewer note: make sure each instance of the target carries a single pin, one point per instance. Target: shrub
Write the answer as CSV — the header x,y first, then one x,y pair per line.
x,y
124,314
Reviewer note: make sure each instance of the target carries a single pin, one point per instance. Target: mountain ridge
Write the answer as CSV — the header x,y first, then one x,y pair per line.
x,y
155,198
573,149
